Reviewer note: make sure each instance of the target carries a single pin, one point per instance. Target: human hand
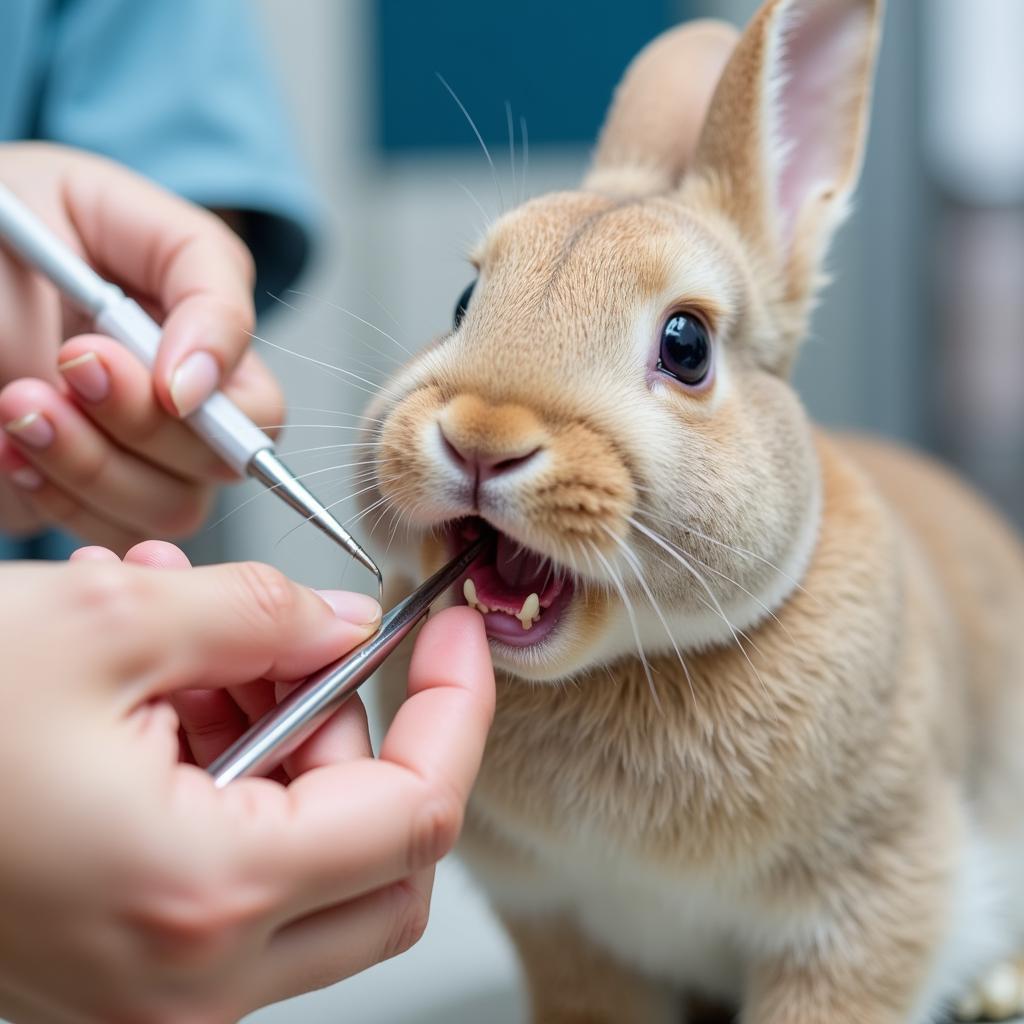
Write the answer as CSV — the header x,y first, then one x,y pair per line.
x,y
132,888
92,439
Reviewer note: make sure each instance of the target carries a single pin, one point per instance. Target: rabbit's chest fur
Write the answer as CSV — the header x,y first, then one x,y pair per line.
x,y
703,927
731,815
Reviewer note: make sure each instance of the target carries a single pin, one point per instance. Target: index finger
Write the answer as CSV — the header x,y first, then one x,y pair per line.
x,y
160,246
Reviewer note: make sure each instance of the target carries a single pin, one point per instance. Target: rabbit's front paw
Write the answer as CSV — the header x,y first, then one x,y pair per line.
x,y
999,995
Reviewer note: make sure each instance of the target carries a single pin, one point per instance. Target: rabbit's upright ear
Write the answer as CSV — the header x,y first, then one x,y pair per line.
x,y
651,131
784,138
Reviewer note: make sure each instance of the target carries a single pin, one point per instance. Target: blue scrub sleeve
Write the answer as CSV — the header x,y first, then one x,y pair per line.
x,y
180,91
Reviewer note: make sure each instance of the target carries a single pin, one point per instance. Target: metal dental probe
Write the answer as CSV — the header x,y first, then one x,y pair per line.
x,y
284,728
218,421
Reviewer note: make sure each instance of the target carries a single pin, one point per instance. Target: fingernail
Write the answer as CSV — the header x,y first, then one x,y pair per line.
x,y
194,381
27,479
34,430
358,609
87,376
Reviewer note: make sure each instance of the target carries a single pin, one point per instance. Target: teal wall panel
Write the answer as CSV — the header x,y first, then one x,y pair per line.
x,y
555,61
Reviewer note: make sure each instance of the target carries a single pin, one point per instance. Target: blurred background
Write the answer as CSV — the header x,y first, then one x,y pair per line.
x,y
920,337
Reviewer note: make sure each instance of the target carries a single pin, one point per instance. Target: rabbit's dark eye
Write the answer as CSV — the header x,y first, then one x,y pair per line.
x,y
685,349
463,304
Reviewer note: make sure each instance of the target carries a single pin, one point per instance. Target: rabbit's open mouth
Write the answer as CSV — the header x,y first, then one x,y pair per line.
x,y
520,593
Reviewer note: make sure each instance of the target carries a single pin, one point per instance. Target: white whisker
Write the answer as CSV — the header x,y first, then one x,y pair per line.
x,y
511,146
628,605
287,305
476,132
348,312
313,426
307,520
739,586
335,412
384,309
526,153
324,448
742,552
482,229
692,570
634,562
370,389
264,491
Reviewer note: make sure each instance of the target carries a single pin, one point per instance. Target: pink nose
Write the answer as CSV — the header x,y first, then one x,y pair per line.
x,y
482,466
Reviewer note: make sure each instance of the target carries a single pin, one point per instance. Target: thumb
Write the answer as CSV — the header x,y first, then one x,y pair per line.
x,y
225,625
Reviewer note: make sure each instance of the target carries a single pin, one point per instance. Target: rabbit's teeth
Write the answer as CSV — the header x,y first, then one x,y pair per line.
x,y
530,611
469,592
527,615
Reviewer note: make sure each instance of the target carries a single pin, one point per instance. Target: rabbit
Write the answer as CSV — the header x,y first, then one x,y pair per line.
x,y
760,687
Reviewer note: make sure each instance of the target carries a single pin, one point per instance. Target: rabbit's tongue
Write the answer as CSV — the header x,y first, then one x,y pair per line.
x,y
505,583
518,591
520,569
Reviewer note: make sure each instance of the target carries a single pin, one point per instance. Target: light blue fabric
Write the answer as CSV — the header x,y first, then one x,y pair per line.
x,y
176,89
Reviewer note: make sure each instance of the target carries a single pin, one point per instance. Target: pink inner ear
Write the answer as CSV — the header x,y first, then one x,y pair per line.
x,y
823,49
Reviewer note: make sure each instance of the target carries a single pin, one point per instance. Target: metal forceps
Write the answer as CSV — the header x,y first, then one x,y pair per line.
x,y
283,729
218,421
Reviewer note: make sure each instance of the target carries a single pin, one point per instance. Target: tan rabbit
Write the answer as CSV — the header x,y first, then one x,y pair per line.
x,y
761,694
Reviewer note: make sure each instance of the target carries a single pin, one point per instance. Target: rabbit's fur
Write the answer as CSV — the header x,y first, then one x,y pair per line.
x,y
818,819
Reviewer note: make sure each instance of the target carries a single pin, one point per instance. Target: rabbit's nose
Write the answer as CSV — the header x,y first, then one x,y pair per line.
x,y
482,466
485,440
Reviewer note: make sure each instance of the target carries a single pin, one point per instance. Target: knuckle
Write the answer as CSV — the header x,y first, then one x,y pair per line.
x,y
193,922
270,593
412,913
435,829
109,596
147,427
87,470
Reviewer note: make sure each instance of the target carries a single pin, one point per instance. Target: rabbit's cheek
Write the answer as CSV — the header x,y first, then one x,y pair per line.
x,y
407,476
